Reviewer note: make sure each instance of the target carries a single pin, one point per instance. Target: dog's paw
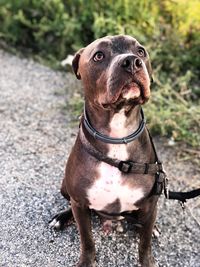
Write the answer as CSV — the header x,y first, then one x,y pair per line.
x,y
156,232
86,264
152,264
107,227
60,220
54,224
119,227
87,259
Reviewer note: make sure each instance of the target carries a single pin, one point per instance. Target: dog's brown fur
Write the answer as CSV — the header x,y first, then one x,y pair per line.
x,y
107,78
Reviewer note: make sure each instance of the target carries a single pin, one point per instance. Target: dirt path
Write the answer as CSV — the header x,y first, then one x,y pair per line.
x,y
35,138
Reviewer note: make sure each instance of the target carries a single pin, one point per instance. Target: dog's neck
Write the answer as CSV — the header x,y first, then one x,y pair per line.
x,y
114,123
118,124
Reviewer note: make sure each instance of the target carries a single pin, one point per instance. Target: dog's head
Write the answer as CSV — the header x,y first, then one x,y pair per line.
x,y
114,70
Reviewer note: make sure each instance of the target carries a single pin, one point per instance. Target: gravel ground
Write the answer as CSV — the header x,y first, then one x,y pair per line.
x,y
35,138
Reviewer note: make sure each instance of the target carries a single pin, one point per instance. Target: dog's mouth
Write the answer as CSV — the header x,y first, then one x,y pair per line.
x,y
131,90
130,94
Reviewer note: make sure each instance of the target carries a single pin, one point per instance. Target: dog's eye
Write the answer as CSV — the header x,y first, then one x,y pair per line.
x,y
141,52
98,56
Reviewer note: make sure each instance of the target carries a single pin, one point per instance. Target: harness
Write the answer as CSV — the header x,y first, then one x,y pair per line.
x,y
129,166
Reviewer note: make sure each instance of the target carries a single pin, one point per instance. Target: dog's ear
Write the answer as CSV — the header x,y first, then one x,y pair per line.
x,y
75,63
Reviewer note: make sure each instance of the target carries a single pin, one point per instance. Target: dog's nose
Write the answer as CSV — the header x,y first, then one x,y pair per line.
x,y
131,63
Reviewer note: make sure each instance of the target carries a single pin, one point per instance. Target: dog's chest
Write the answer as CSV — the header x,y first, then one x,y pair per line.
x,y
111,186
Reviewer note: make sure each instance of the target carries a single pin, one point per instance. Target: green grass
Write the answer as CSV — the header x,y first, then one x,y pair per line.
x,y
171,116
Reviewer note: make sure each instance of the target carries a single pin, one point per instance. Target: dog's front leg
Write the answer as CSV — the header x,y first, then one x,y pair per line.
x,y
145,254
83,221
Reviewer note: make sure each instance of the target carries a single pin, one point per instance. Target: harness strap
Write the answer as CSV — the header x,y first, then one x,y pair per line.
x,y
131,166
127,166
161,181
161,177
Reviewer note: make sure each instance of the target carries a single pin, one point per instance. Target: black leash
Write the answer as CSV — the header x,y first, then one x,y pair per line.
x,y
183,196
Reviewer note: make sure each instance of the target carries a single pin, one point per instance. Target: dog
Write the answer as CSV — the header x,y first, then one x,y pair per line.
x,y
113,167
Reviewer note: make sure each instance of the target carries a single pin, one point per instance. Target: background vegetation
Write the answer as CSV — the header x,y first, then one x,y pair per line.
x,y
170,29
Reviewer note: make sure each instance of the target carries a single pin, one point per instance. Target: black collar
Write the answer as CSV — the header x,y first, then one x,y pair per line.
x,y
113,140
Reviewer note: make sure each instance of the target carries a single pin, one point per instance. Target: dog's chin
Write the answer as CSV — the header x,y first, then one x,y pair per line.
x,y
131,91
129,96
126,104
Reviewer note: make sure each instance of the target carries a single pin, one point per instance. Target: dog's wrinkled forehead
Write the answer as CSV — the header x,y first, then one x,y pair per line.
x,y
115,44
123,44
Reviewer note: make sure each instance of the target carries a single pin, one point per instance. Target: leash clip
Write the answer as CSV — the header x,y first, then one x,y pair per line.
x,y
159,183
160,167
166,187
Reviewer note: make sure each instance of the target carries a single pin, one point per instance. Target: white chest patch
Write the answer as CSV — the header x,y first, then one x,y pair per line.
x,y
109,185
117,125
118,130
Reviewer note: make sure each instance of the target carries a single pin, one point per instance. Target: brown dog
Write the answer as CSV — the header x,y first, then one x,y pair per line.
x,y
112,167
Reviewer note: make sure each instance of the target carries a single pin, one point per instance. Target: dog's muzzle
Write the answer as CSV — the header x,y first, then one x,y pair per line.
x,y
128,78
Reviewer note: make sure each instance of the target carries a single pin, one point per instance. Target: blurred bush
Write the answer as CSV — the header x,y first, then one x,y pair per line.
x,y
170,29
